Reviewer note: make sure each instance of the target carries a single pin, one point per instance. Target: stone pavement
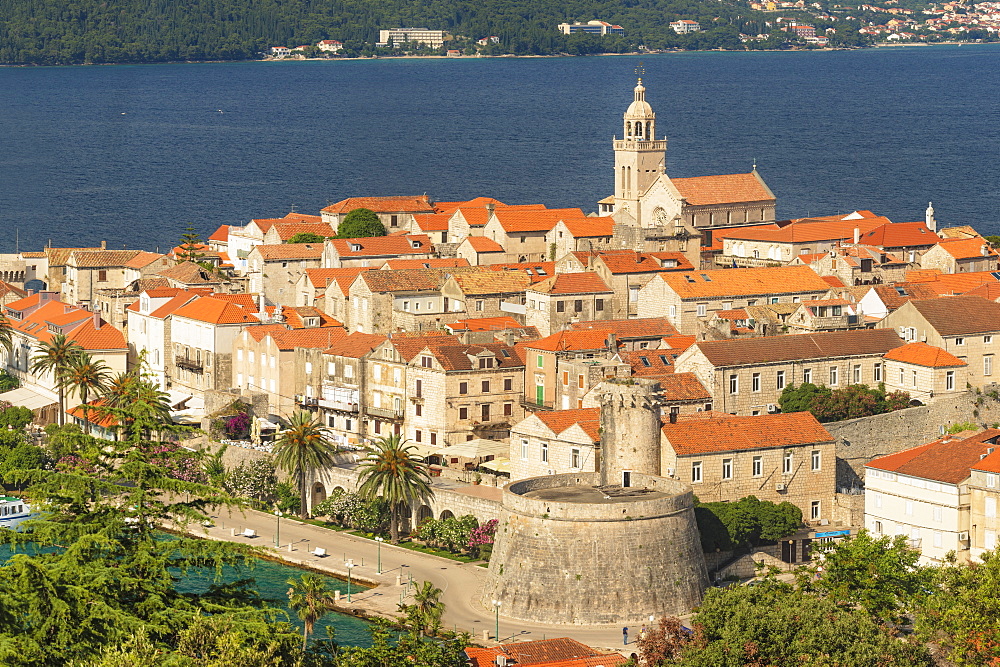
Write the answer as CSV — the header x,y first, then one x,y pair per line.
x,y
461,583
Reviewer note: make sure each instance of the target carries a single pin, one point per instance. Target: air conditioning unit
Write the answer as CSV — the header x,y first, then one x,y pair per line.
x,y
779,487
772,408
963,536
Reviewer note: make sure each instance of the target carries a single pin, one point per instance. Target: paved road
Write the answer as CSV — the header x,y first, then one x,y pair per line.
x,y
461,583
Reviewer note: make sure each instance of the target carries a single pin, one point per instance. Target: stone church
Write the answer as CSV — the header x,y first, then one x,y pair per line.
x,y
645,196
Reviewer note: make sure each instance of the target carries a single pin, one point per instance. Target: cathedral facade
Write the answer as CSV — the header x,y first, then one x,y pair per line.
x,y
645,196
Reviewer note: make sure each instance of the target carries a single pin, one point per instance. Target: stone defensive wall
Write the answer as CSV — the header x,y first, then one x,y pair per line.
x,y
567,553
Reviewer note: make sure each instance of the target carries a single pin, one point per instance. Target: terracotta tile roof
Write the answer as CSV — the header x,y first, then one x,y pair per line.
x,y
991,463
7,288
260,331
683,387
590,339
734,314
630,261
294,317
448,206
418,204
59,256
558,421
389,246
459,357
989,291
483,244
572,283
143,259
922,354
809,230
960,315
287,230
215,311
647,327
677,343
649,363
33,255
409,280
485,324
433,222
189,273
833,281
561,652
491,282
894,296
946,459
900,235
590,227
355,345
726,433
265,224
535,270
968,248
92,259
960,232
318,337
103,338
474,217
513,220
744,282
796,347
282,251
321,278
436,263
408,345
724,189
221,234
173,304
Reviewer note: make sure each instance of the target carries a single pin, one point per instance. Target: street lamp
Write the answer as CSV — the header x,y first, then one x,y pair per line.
x,y
277,531
380,540
350,566
496,609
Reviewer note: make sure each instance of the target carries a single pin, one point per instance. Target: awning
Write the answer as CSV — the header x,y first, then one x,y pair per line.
x,y
499,465
27,398
176,399
475,449
420,449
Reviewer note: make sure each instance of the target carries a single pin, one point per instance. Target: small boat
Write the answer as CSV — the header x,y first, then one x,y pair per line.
x,y
13,511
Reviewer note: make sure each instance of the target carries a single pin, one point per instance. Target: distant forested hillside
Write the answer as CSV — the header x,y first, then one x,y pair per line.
x,y
103,31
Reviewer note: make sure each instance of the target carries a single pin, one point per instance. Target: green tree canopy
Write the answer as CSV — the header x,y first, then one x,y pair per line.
x,y
850,402
307,237
303,448
746,522
360,223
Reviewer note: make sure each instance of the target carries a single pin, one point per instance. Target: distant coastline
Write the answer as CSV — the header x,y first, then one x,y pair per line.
x,y
269,59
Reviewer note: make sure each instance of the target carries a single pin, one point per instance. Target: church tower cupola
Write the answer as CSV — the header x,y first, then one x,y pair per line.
x,y
640,158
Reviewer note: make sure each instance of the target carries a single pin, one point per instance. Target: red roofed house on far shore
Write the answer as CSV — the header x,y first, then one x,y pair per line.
x,y
556,302
395,212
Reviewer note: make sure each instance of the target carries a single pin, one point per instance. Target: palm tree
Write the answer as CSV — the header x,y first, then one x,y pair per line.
x,y
6,337
393,473
311,598
54,356
428,607
85,374
302,448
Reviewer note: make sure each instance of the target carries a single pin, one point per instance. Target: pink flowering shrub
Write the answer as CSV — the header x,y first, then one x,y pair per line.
x,y
179,463
74,463
238,426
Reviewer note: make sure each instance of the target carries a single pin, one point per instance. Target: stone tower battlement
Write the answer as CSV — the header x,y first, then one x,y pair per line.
x,y
630,436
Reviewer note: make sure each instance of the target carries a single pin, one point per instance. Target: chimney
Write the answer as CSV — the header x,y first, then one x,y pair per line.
x,y
97,320
857,235
673,417
612,343
985,250
490,207
104,245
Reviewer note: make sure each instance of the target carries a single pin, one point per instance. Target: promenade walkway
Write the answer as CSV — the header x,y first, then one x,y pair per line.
x,y
461,583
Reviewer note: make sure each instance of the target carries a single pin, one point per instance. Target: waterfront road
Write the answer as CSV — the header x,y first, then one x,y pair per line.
x,y
461,583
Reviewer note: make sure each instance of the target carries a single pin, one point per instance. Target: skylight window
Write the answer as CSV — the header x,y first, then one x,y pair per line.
x,y
645,361
705,276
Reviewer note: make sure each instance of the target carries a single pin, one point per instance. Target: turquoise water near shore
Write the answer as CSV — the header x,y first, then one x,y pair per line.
x,y
133,154
271,578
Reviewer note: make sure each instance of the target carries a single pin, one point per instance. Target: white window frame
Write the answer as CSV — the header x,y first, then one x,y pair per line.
x,y
525,446
727,468
758,466
816,460
779,380
787,463
815,510
755,382
734,384
696,472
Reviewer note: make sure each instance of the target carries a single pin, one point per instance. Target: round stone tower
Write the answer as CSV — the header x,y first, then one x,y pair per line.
x,y
584,548
630,436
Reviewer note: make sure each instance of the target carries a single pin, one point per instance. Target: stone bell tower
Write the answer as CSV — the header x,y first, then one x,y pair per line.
x,y
630,439
640,157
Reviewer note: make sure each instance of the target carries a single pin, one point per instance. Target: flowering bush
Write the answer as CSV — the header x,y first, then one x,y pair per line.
x,y
451,533
74,463
238,426
353,511
255,480
481,538
179,463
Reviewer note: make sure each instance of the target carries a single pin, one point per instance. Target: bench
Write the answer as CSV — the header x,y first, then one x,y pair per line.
x,y
249,532
319,552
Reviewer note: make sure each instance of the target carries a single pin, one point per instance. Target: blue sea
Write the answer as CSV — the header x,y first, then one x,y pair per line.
x,y
133,154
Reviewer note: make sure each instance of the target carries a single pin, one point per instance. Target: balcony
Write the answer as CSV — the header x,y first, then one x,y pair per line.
x,y
531,404
192,365
384,413
338,405
307,402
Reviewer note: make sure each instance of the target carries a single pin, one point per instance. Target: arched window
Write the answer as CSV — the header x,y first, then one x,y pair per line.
x,y
638,130
648,134
628,128
756,254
